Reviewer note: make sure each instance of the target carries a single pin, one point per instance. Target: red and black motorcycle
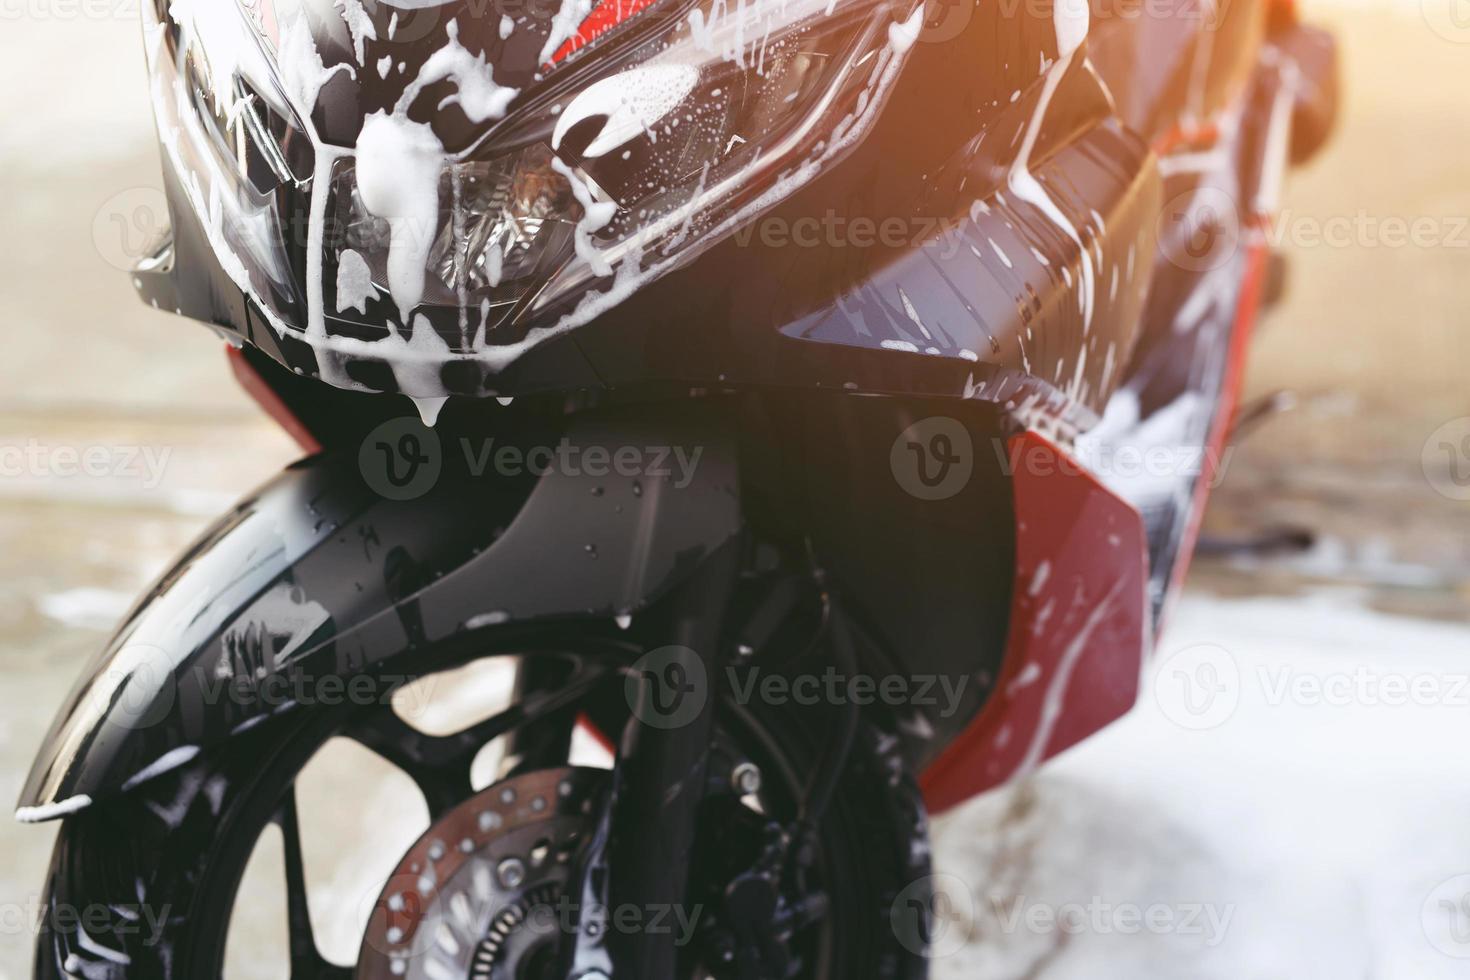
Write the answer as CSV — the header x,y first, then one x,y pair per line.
x,y
816,400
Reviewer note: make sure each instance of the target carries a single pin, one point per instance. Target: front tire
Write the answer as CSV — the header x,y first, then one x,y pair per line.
x,y
171,854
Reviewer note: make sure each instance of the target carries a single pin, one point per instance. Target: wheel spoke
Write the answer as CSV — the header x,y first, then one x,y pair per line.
x,y
306,962
440,764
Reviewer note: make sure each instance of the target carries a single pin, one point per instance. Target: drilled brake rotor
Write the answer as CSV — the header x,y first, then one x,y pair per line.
x,y
481,895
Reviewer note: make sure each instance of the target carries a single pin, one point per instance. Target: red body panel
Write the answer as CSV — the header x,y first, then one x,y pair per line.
x,y
1246,309
604,17
268,399
1078,627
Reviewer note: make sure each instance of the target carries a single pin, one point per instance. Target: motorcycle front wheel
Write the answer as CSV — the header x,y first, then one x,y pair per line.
x,y
496,863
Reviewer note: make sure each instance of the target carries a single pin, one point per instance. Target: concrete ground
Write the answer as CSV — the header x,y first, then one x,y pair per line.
x,y
1320,830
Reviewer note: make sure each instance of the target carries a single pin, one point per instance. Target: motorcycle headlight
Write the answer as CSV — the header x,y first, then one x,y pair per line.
x,y
498,178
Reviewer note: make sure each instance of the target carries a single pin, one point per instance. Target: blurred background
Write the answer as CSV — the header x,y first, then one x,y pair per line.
x,y
1300,834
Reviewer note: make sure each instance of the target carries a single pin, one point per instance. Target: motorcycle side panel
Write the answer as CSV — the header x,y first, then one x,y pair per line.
x,y
935,261
1173,66
1177,396
1079,627
319,576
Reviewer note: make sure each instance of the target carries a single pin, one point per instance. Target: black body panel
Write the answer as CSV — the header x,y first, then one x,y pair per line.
x,y
318,575
320,578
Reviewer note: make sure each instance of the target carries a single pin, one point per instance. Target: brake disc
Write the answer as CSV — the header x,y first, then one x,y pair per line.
x,y
482,895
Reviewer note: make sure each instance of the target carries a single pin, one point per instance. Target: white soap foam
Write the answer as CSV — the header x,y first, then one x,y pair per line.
x,y
398,167
354,282
632,102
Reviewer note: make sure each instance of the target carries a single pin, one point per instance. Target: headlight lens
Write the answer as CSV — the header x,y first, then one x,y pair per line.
x,y
645,142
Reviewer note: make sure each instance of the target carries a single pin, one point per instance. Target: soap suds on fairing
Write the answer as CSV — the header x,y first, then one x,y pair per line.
x,y
595,216
1072,19
564,25
480,96
398,166
354,282
631,104
359,25
1024,186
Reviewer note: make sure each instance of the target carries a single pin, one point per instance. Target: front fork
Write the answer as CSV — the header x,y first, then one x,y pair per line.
x,y
640,856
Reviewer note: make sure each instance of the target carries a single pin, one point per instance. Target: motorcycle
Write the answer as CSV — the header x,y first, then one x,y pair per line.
x,y
775,368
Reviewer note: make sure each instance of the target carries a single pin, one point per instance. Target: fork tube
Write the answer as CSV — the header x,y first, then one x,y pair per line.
x,y
661,774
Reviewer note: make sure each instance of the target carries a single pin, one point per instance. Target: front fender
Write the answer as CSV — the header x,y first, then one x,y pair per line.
x,y
318,576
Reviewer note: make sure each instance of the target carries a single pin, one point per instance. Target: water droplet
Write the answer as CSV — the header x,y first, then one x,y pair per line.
x,y
429,408
624,620
597,491
637,489
591,550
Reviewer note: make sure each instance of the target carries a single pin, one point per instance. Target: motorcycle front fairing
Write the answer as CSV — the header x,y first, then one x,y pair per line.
x,y
410,200
1026,211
